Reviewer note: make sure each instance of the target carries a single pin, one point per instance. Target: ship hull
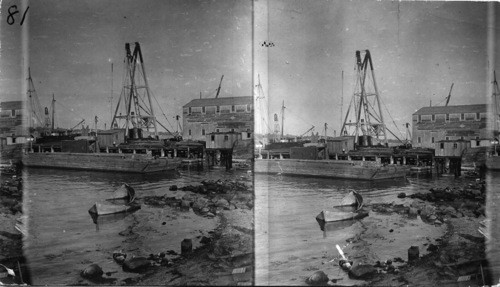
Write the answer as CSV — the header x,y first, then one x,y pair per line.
x,y
359,170
133,163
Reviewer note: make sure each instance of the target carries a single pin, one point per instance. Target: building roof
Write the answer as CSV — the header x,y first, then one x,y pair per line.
x,y
482,108
225,101
12,105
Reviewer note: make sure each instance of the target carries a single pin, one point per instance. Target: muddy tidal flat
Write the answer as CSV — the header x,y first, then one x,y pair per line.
x,y
439,217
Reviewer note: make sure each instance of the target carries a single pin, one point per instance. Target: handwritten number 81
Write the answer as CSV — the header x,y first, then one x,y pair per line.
x,y
10,18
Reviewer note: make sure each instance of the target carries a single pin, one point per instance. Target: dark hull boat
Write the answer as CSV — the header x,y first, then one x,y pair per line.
x,y
134,163
346,169
99,209
350,208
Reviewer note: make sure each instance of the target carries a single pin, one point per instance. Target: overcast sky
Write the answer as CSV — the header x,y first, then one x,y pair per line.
x,y
418,49
187,47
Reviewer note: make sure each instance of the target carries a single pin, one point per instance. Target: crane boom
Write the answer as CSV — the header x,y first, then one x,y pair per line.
x,y
218,89
81,122
312,128
449,95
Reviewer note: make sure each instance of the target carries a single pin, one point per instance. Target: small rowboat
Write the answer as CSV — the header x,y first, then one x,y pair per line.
x,y
353,198
332,216
124,192
104,208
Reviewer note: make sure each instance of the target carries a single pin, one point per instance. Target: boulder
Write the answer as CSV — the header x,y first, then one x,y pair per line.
x,y
185,204
427,211
412,212
413,253
93,271
402,195
362,271
318,278
173,187
222,203
200,203
136,264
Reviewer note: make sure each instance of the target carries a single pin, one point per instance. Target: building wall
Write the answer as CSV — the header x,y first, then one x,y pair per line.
x,y
199,121
451,148
11,118
432,127
221,140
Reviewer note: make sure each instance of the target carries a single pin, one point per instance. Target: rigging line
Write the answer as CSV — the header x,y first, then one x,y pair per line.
x,y
297,116
163,113
402,136
68,109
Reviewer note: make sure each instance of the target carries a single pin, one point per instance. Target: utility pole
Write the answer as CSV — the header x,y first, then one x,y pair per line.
x,y
282,118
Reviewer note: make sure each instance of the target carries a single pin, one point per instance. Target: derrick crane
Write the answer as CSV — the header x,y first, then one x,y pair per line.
x,y
135,100
81,122
310,129
365,103
34,108
449,95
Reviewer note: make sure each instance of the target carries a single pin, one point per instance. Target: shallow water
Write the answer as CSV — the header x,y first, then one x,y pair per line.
x,y
63,239
296,244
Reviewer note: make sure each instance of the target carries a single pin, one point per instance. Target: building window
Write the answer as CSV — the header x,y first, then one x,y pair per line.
x,y
419,140
203,110
478,116
232,108
203,132
462,138
432,140
248,108
189,132
441,145
249,135
185,111
433,118
419,118
13,113
462,117
217,130
212,137
226,138
447,117
455,145
189,110
218,109
478,143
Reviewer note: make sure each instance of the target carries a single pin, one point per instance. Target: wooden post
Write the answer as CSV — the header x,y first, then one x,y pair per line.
x,y
392,160
162,152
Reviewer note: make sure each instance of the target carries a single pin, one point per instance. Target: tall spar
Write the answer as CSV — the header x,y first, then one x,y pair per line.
x,y
135,99
365,103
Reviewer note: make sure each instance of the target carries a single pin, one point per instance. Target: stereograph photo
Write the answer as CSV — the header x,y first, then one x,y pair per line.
x,y
249,142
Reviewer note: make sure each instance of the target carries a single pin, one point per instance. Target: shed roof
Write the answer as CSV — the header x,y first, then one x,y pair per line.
x,y
220,101
482,108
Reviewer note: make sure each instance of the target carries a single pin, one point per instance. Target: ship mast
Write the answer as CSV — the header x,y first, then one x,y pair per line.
x,y
35,110
53,112
365,103
282,118
136,97
496,115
